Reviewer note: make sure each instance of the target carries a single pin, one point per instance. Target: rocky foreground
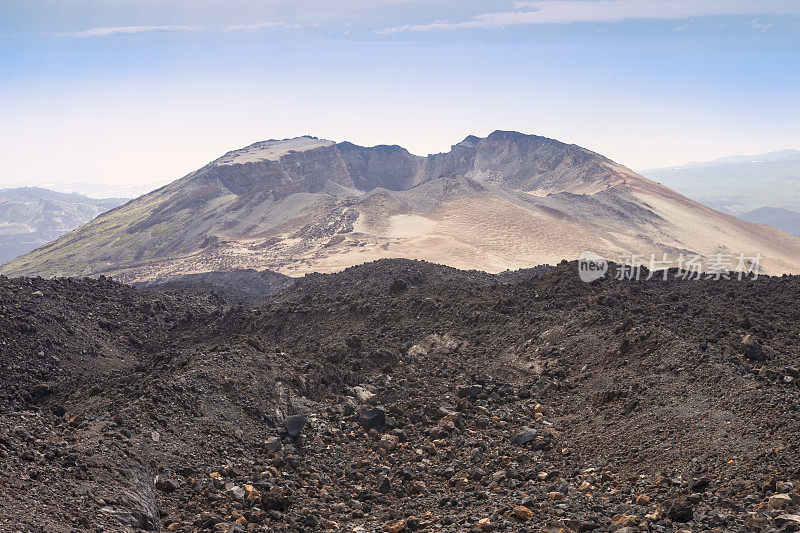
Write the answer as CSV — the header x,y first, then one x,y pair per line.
x,y
402,396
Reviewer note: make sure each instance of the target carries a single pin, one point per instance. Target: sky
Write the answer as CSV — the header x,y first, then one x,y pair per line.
x,y
118,97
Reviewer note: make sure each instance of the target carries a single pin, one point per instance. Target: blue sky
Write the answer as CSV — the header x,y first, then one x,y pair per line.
x,y
137,93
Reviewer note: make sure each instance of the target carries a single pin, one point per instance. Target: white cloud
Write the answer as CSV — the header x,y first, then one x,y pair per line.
x,y
264,25
757,25
105,32
565,11
115,30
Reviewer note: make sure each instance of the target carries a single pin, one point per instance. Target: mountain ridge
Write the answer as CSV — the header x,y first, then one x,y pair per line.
x,y
506,201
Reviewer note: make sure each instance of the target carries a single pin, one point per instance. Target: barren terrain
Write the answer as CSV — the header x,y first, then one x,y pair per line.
x,y
402,396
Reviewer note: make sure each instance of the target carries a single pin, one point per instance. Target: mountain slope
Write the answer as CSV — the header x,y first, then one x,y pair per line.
x,y
300,205
31,217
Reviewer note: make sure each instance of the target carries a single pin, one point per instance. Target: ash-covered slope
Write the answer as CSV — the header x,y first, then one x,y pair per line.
x,y
302,205
452,403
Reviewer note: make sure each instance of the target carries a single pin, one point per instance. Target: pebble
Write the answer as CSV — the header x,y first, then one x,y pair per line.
x,y
389,442
524,436
372,418
779,501
752,349
166,484
680,512
523,513
294,425
395,527
235,491
384,485
273,444
362,394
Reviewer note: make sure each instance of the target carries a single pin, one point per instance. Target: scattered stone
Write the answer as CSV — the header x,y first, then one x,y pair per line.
x,y
524,436
235,491
273,444
294,425
384,485
166,484
389,442
329,525
484,524
700,485
372,418
251,493
752,349
395,527
779,501
362,394
680,512
523,513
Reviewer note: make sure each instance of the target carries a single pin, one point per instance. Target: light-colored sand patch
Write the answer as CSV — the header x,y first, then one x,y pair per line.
x,y
272,150
409,226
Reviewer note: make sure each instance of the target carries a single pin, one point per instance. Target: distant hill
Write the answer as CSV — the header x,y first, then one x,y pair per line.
x,y
503,202
769,157
31,217
738,184
783,219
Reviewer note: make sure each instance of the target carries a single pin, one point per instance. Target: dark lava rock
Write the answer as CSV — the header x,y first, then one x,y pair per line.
x,y
294,425
752,349
680,512
525,436
384,485
211,380
475,391
700,485
372,418
167,484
